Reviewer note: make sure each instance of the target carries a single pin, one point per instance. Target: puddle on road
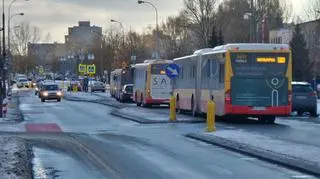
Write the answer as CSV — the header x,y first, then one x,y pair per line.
x,y
49,164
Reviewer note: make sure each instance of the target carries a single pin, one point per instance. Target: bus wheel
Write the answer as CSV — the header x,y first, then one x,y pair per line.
x,y
136,99
271,120
267,119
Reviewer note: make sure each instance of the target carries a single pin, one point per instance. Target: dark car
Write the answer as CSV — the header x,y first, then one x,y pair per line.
x,y
50,92
304,98
126,93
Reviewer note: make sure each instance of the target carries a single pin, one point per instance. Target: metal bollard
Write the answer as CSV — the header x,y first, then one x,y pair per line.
x,y
211,116
75,88
173,115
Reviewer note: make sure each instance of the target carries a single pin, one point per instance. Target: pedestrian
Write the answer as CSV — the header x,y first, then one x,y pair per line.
x,y
5,107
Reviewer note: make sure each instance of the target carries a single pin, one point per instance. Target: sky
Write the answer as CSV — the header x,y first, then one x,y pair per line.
x,y
55,16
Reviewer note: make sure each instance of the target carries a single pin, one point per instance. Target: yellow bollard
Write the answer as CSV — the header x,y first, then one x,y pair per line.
x,y
211,116
173,116
74,88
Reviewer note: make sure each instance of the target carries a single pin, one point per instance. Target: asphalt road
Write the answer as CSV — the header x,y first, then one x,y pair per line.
x,y
118,148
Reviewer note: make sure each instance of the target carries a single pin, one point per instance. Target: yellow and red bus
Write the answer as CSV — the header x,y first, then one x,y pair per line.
x,y
151,85
249,80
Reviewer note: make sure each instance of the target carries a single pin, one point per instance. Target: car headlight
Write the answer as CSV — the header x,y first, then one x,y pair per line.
x,y
59,93
45,94
34,84
37,89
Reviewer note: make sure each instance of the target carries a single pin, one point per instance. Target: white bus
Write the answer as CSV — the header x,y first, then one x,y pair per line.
x,y
151,84
251,80
122,77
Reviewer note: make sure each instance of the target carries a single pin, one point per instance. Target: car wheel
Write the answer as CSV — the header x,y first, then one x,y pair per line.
x,y
59,100
313,113
300,113
43,100
103,91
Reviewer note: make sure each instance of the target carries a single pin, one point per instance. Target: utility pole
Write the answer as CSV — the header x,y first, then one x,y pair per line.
x,y
252,31
2,61
4,92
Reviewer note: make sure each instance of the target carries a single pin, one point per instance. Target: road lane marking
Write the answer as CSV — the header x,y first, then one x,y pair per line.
x,y
42,127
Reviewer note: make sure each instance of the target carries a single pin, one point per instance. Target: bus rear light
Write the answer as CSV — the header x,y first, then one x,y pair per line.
x,y
228,97
313,93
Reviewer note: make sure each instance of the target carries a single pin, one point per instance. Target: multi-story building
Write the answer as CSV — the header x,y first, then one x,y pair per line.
x,y
83,37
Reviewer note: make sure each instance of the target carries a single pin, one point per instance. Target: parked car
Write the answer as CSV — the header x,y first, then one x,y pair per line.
x,y
304,98
97,86
22,82
50,92
126,94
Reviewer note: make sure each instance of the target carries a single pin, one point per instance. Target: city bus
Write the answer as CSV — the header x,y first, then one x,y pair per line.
x,y
122,77
151,86
248,80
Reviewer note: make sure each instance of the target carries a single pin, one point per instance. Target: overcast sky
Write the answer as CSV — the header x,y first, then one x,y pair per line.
x,y
55,16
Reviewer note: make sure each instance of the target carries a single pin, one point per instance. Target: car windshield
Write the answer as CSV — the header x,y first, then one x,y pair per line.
x,y
23,80
301,88
51,87
129,89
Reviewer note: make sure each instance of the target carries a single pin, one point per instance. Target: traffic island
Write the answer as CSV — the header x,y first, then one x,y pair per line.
x,y
92,98
145,116
297,156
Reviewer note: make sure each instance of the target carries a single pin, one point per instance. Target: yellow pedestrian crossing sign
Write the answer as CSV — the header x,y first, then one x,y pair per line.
x,y
91,69
82,68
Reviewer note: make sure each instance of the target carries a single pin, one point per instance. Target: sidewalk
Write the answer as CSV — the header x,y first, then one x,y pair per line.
x,y
13,114
293,155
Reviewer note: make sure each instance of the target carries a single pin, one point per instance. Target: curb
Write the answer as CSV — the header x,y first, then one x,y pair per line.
x,y
98,101
266,155
143,120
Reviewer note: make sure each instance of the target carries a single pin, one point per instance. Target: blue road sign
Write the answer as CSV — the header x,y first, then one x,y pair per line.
x,y
172,70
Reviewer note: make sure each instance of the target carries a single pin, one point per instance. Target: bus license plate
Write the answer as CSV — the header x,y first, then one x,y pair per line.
x,y
301,97
259,108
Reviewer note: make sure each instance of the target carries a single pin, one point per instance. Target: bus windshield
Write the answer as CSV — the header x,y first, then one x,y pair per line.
x,y
158,69
259,79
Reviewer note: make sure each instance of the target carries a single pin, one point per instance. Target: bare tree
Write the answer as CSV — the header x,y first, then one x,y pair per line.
x,y
200,15
230,19
22,36
175,37
313,9
47,37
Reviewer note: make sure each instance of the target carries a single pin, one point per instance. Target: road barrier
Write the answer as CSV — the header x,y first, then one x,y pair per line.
x,y
211,116
173,115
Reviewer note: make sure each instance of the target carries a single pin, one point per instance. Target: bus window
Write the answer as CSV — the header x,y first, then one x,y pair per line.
x,y
193,72
181,72
221,74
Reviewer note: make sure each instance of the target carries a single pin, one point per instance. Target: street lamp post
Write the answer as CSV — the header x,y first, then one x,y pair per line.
x,y
121,25
9,38
157,26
